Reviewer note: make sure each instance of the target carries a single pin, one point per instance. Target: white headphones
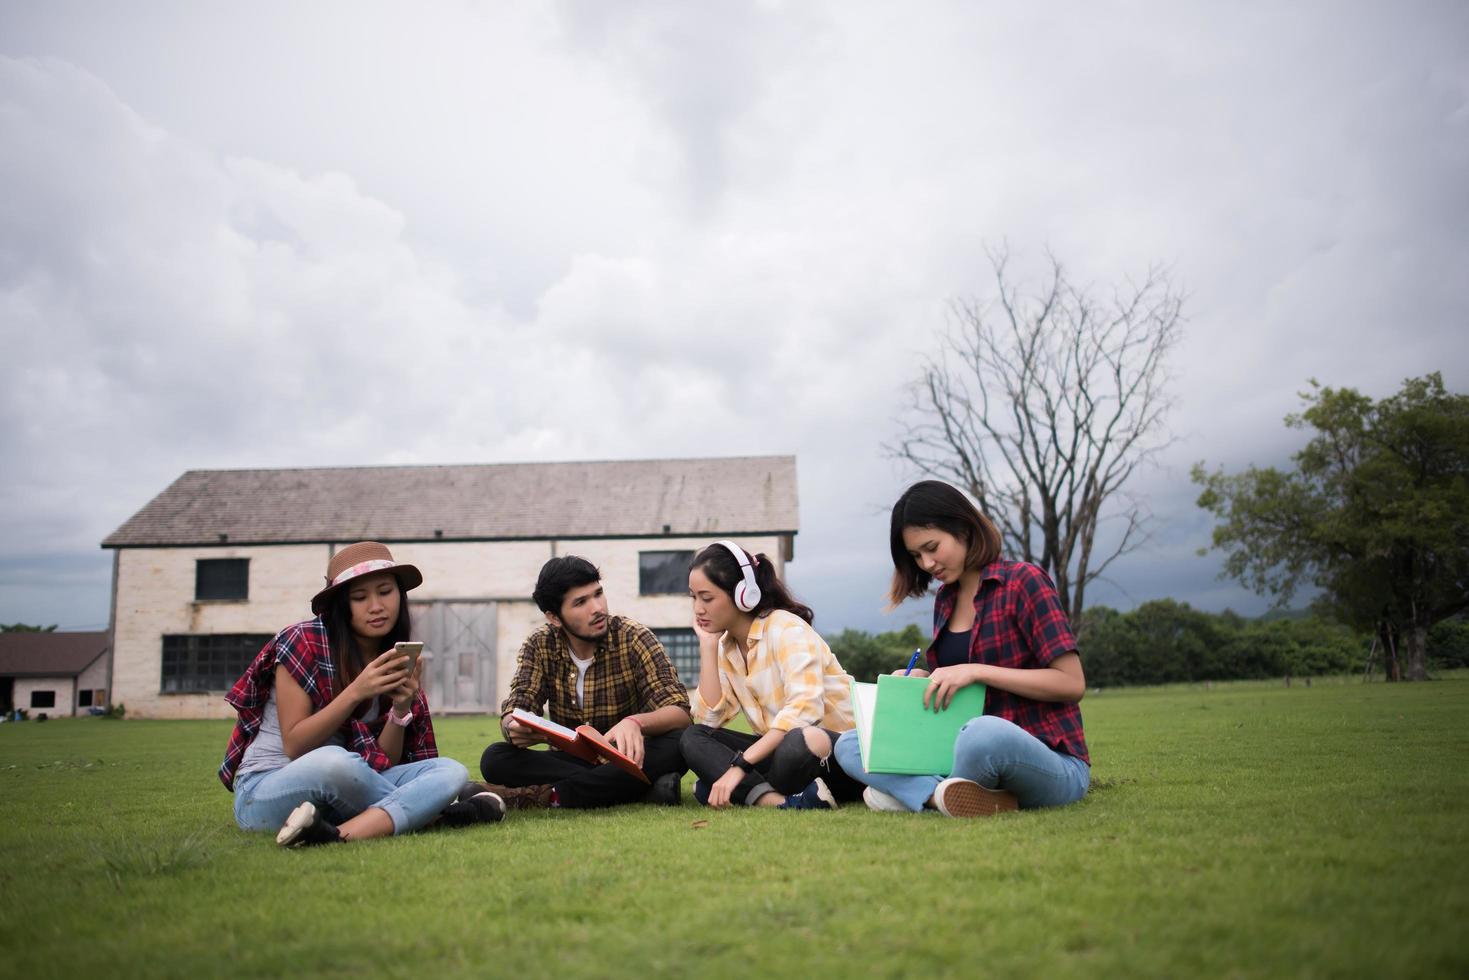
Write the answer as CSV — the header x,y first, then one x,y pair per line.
x,y
746,593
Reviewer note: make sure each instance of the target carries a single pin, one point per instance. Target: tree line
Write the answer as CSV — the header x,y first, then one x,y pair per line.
x,y
1168,642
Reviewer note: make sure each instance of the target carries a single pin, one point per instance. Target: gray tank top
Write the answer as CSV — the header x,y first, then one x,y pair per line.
x,y
267,752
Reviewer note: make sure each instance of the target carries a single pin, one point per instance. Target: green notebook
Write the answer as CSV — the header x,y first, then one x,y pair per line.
x,y
896,733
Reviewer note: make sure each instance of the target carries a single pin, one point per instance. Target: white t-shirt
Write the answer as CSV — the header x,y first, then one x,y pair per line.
x,y
581,677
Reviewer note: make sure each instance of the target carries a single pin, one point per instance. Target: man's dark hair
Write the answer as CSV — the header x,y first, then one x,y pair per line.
x,y
558,577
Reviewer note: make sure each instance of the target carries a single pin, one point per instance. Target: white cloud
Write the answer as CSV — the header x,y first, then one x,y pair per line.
x,y
344,234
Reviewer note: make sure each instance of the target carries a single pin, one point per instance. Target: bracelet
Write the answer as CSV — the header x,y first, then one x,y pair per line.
x,y
403,721
634,721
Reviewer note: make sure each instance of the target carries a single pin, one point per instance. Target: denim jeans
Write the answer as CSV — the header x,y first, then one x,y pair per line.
x,y
343,784
993,752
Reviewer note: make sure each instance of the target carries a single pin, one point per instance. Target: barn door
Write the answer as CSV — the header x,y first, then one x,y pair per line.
x,y
460,640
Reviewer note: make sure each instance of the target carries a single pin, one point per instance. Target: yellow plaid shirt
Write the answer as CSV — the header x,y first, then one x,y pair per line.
x,y
789,678
630,675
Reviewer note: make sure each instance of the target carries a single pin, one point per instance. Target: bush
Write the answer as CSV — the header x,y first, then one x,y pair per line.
x,y
1448,644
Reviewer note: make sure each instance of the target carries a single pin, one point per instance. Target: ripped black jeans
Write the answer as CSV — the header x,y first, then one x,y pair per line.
x,y
789,769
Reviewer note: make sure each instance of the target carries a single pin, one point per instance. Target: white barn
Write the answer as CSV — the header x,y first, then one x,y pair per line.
x,y
53,674
218,562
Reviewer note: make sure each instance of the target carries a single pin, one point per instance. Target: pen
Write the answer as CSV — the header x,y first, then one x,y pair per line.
x,y
912,660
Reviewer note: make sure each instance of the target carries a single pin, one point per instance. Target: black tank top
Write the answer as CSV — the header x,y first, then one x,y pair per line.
x,y
953,648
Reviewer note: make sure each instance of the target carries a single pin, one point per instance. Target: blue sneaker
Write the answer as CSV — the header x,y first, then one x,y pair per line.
x,y
813,797
701,792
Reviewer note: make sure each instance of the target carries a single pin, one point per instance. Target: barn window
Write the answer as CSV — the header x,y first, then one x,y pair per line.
x,y
663,572
84,698
683,649
222,578
201,663
43,699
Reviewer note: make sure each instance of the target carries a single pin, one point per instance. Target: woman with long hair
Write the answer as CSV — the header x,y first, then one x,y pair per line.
x,y
334,741
758,654
995,622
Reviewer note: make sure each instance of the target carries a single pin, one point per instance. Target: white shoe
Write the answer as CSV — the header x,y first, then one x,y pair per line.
x,y
823,793
306,827
876,799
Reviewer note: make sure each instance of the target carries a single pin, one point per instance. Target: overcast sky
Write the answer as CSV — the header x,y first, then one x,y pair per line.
x,y
281,234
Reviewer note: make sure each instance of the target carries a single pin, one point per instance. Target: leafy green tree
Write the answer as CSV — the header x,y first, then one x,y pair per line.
x,y
1375,514
26,628
1105,639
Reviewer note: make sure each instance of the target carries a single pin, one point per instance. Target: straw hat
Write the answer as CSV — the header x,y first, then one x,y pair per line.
x,y
357,560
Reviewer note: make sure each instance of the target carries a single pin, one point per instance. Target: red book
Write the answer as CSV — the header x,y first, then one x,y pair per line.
x,y
585,742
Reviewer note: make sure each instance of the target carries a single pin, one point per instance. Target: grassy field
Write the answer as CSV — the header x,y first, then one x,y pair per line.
x,y
1244,830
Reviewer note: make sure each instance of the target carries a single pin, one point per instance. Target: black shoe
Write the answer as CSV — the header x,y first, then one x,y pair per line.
x,y
306,827
473,788
483,807
667,790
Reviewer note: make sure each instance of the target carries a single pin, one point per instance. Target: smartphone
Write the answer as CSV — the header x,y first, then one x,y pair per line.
x,y
412,650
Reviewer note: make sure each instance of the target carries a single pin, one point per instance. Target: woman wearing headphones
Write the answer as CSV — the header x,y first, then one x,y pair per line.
x,y
758,654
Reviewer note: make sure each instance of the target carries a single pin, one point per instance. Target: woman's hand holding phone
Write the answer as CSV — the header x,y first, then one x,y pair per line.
x,y
386,671
405,692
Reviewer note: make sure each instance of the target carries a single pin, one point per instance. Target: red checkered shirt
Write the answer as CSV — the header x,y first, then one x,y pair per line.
x,y
1018,622
305,652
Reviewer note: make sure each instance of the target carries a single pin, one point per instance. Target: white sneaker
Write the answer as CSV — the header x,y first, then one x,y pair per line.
x,y
876,799
306,827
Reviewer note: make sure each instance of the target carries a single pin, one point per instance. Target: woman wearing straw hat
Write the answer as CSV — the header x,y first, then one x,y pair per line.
x,y
334,741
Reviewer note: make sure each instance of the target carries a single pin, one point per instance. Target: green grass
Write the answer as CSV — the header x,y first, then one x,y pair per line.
x,y
1248,829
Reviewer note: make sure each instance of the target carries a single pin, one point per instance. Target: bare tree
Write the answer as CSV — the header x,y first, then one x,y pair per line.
x,y
1042,408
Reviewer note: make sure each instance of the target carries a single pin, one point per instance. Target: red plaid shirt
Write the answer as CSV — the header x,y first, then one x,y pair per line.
x,y
1018,622
306,654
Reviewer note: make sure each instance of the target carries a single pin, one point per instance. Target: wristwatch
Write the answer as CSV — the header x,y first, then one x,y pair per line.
x,y
739,761
400,722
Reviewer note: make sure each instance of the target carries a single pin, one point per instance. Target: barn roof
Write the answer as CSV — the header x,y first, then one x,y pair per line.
x,y
631,498
49,654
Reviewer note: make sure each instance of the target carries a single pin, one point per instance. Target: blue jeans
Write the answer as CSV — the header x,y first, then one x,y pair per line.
x,y
344,785
991,751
